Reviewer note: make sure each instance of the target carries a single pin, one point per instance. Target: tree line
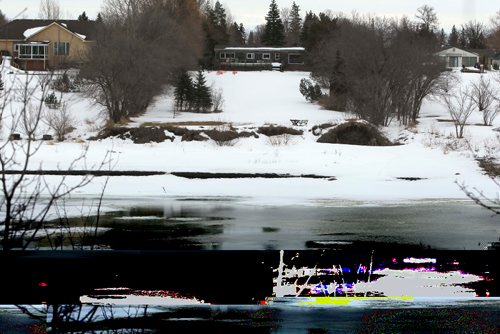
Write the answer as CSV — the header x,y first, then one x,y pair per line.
x,y
379,68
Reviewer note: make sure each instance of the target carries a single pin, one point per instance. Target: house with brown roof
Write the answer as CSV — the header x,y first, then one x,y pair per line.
x,y
44,44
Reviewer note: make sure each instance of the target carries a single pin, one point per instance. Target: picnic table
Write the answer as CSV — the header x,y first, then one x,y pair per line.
x,y
299,122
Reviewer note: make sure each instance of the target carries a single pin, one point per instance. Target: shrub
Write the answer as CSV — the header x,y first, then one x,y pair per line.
x,y
355,133
278,130
280,140
60,121
51,101
62,84
312,92
223,135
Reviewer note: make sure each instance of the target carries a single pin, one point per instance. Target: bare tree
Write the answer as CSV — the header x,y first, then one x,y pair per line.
x,y
27,196
392,83
217,99
49,10
121,76
494,35
60,121
460,107
428,19
474,35
484,96
285,17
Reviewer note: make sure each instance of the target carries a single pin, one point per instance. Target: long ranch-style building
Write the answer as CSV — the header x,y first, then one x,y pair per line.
x,y
258,58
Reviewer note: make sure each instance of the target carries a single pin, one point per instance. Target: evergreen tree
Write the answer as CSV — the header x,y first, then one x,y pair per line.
x,y
3,18
307,37
274,32
236,36
183,92
83,17
453,38
220,15
243,34
202,98
462,39
442,38
216,31
99,18
295,26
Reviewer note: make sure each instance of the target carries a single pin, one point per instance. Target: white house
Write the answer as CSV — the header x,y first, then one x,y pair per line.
x,y
455,57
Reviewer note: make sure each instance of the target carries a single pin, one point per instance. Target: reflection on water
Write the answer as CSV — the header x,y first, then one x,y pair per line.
x,y
473,318
232,225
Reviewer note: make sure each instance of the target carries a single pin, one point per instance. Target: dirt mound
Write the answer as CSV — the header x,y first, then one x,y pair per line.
x,y
143,135
278,131
355,133
140,135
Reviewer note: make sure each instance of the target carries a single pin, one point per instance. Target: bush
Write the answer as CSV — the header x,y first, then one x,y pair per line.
x,y
51,101
62,84
278,130
60,121
311,92
280,140
141,135
223,135
355,133
66,83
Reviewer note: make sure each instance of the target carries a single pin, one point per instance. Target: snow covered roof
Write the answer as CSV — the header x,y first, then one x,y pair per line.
x,y
261,49
456,52
23,29
32,31
80,35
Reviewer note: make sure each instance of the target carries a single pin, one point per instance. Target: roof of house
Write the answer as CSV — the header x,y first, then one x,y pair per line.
x,y
15,30
260,49
483,52
454,51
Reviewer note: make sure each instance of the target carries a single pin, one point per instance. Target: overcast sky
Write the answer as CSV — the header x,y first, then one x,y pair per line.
x,y
252,12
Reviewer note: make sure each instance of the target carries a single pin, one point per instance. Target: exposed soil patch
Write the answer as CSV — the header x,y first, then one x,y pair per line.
x,y
409,178
141,135
318,129
229,135
187,175
86,172
355,133
202,175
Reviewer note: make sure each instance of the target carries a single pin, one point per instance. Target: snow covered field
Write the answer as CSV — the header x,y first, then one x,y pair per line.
x,y
366,174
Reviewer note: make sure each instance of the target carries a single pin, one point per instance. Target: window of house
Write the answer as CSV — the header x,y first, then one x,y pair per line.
x,y
453,61
222,55
469,61
61,48
250,55
31,51
277,56
266,56
295,59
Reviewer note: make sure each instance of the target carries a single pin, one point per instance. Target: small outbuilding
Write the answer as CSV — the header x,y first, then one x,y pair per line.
x,y
455,57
